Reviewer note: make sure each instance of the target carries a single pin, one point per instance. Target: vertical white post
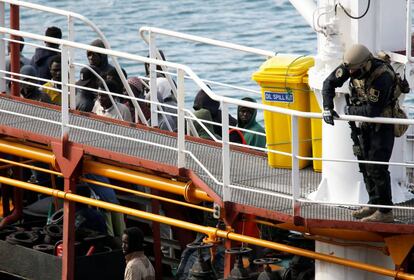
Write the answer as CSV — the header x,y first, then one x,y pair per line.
x,y
225,151
2,49
71,37
153,81
295,165
408,32
181,118
65,91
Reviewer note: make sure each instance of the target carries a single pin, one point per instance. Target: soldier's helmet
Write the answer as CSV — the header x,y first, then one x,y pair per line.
x,y
356,56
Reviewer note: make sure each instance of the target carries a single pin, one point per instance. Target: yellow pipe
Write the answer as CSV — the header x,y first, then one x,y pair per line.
x,y
344,234
208,230
190,193
21,164
142,194
143,179
21,150
12,164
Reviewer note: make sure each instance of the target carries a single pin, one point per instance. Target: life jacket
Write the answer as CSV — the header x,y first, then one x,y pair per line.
x,y
392,109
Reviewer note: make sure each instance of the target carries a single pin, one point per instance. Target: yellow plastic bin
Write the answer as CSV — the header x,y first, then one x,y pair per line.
x,y
281,80
316,130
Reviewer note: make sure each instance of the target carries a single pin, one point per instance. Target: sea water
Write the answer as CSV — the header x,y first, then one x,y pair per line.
x,y
265,24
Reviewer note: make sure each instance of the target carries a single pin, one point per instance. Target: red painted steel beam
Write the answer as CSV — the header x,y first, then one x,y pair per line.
x,y
17,213
70,164
14,48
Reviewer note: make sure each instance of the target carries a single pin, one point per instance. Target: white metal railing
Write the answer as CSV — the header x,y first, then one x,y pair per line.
x,y
170,33
181,149
408,33
71,35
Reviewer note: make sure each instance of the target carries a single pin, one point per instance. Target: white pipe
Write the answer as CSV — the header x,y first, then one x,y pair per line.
x,y
408,33
2,50
306,8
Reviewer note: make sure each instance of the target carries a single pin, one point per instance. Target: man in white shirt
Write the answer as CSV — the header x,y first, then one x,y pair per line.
x,y
104,107
138,266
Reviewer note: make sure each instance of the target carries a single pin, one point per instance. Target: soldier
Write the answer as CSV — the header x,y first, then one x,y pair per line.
x,y
372,84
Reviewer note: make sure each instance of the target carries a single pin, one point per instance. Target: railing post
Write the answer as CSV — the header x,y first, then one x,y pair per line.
x,y
408,32
181,118
65,91
71,37
153,80
2,49
15,49
295,166
225,151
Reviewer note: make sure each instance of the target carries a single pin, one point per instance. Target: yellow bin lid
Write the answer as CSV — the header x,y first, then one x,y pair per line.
x,y
284,68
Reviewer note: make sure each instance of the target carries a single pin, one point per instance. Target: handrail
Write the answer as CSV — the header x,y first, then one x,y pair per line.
x,y
94,28
199,39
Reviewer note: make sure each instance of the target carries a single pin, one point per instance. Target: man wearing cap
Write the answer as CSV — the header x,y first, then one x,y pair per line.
x,y
372,87
41,58
30,91
85,99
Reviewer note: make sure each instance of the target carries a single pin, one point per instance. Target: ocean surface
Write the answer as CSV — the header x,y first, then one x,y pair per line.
x,y
272,25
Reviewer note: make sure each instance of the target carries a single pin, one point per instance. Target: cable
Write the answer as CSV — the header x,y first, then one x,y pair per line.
x,y
351,16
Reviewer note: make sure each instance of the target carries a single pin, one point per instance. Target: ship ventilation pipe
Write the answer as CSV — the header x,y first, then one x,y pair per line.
x,y
306,8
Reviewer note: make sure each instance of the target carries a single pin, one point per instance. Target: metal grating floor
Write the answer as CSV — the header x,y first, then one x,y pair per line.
x,y
247,170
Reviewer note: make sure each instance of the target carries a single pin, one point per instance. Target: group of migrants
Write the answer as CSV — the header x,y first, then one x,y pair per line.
x,y
100,75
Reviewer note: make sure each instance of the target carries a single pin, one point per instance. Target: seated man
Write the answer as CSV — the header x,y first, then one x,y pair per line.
x,y
85,99
53,89
87,217
30,91
112,75
138,90
104,107
203,101
97,59
246,118
204,114
115,224
23,60
41,58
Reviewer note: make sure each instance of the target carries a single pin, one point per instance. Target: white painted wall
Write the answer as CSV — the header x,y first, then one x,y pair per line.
x,y
327,271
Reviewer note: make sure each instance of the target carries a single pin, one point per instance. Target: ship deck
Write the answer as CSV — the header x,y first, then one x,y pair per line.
x,y
250,172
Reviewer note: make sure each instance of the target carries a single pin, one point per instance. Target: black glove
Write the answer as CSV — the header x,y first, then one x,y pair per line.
x,y
329,115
